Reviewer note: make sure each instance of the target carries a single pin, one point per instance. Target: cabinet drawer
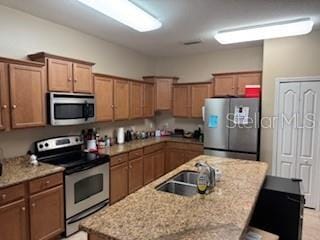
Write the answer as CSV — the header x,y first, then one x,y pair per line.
x,y
119,159
44,183
136,154
10,194
153,148
185,146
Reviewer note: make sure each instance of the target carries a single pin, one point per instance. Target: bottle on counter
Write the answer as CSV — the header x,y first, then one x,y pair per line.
x,y
202,181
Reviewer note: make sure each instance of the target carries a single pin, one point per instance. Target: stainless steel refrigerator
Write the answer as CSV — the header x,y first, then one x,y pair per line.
x,y
231,127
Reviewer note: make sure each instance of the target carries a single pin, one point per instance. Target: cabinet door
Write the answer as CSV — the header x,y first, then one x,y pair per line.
x,y
104,98
191,155
199,92
247,79
82,78
159,164
175,158
27,96
181,101
148,168
59,75
13,220
163,94
119,182
136,100
225,85
148,100
121,99
4,98
135,174
47,214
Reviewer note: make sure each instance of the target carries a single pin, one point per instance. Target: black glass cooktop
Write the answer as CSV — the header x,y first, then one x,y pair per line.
x,y
76,161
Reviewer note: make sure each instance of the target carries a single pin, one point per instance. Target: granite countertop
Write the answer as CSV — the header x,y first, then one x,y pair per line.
x,y
127,147
18,170
224,214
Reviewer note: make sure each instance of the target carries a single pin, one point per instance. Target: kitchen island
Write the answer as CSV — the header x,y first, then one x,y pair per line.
x,y
223,214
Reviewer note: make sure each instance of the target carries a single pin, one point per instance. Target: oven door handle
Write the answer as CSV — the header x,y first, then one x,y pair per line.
x,y
86,110
80,169
88,212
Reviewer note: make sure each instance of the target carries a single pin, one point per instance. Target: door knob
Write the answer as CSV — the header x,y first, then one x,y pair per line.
x,y
33,205
23,209
14,106
4,106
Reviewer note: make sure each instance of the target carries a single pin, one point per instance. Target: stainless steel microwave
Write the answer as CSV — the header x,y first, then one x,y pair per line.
x,y
70,109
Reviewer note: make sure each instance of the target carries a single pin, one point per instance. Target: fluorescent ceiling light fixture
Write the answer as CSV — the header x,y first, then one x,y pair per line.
x,y
126,13
267,31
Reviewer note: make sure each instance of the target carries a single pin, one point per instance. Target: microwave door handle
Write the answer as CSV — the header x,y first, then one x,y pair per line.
x,y
86,110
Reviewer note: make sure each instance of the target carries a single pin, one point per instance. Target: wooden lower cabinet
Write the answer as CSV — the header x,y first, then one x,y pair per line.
x,y
174,158
148,168
13,221
135,174
119,182
46,214
159,164
192,154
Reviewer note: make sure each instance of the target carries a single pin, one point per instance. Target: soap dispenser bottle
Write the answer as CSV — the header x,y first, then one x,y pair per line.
x,y
203,180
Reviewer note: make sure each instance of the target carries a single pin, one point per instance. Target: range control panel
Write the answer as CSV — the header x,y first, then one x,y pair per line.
x,y
59,142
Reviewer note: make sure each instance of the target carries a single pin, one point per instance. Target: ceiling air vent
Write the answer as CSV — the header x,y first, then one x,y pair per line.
x,y
194,42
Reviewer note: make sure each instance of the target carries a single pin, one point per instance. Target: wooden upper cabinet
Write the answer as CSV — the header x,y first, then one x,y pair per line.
x,y
13,221
148,100
163,91
121,99
47,214
82,78
27,96
181,101
199,92
66,74
247,79
59,75
136,99
4,97
103,89
225,85
188,99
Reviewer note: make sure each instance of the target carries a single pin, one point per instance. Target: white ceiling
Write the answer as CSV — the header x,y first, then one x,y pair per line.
x,y
182,20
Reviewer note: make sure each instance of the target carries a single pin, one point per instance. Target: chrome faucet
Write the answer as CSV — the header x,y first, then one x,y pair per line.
x,y
210,171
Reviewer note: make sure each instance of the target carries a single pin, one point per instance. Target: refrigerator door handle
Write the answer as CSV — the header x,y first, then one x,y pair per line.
x,y
203,113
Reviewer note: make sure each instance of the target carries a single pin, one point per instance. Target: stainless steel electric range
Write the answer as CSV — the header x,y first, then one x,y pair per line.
x,y
86,177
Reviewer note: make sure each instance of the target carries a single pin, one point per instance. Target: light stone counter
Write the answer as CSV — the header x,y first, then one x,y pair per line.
x,y
224,214
18,170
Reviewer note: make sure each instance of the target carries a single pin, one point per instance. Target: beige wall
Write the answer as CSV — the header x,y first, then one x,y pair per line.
x,y
286,57
198,68
22,34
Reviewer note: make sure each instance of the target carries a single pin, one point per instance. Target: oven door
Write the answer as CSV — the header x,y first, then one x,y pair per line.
x,y
86,188
71,109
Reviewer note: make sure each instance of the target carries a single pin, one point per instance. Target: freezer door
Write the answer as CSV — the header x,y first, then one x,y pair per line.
x,y
244,132
216,135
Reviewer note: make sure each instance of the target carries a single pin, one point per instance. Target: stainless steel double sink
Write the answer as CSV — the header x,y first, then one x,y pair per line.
x,y
184,184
